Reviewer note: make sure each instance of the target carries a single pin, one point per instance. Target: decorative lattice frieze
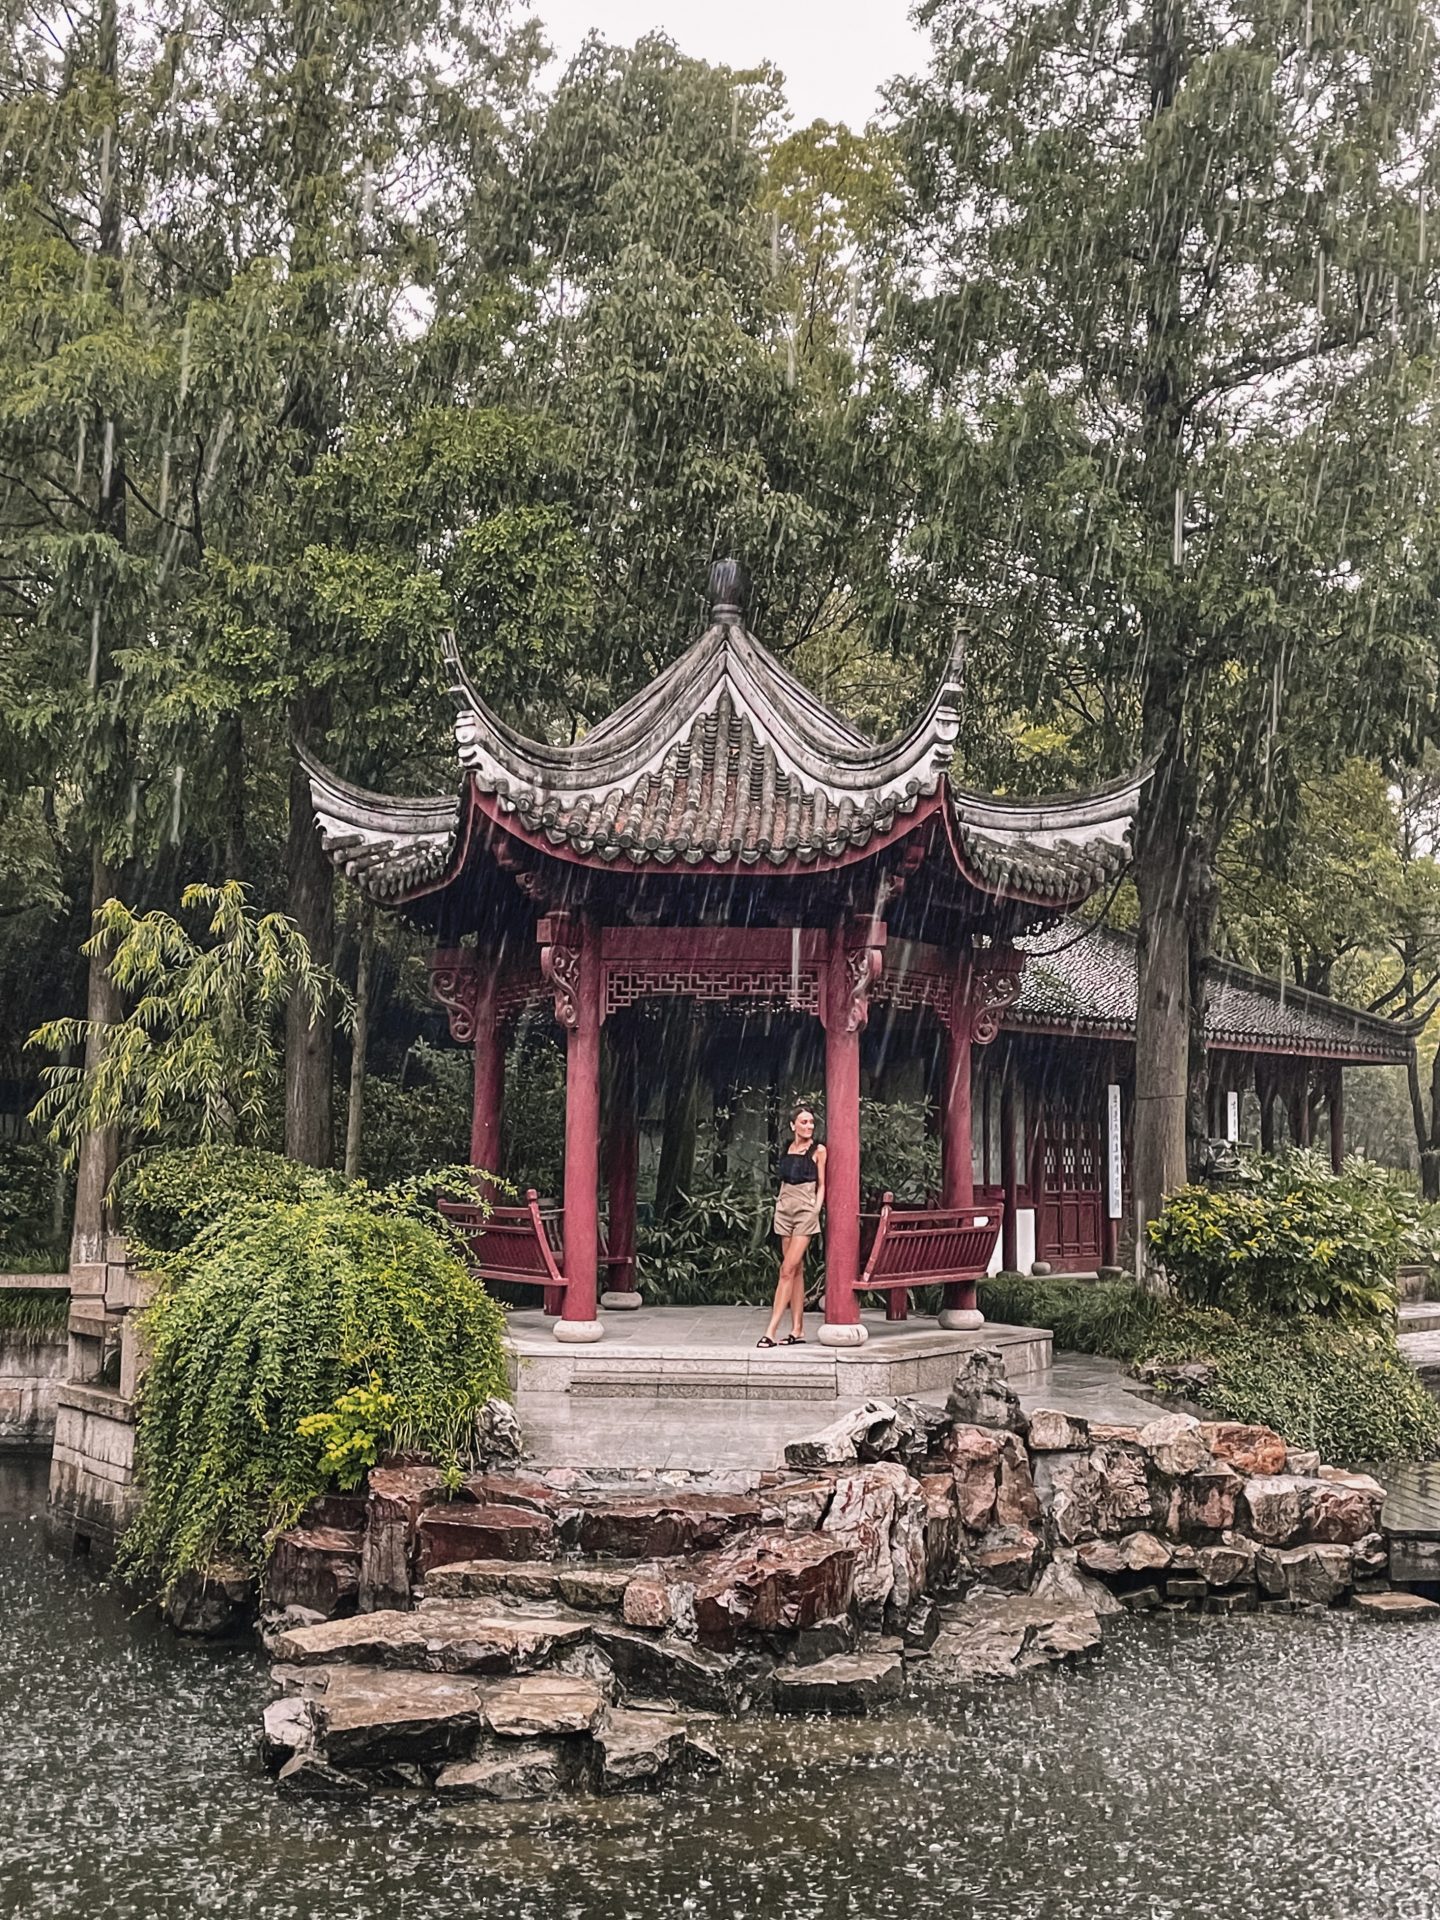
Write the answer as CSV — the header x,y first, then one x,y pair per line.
x,y
757,985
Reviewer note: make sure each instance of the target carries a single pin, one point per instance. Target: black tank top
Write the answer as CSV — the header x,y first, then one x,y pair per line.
x,y
798,1169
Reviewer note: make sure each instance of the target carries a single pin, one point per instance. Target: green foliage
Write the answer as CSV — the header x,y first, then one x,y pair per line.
x,y
354,1433
716,1248
899,1151
534,1119
198,1056
168,1199
274,1314
33,1313
27,1199
1294,1240
420,1117
1347,1392
1343,1389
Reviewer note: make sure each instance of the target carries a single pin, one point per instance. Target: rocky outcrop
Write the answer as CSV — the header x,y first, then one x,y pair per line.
x,y
443,1636
768,1583
534,1634
845,1683
315,1567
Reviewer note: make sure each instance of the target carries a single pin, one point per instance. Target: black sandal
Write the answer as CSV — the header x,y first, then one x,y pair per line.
x,y
794,1340
766,1341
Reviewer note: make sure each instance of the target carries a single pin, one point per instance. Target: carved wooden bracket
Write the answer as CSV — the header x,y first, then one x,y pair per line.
x,y
559,936
995,978
455,983
864,957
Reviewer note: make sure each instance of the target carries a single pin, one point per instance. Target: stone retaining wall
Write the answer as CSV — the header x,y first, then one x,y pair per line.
x,y
93,1494
32,1367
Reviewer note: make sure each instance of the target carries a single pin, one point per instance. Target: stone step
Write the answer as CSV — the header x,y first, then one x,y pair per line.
x,y
714,1380
584,1586
1420,1316
440,1636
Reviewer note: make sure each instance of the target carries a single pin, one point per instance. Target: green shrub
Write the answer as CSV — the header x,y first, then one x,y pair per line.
x,y
28,1241
420,1118
1296,1239
1343,1389
273,1314
354,1433
715,1249
33,1313
167,1199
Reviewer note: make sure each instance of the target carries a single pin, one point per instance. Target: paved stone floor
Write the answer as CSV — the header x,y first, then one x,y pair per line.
x,y
729,1436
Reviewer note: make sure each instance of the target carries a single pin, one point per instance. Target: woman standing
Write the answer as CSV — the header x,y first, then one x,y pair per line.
x,y
797,1221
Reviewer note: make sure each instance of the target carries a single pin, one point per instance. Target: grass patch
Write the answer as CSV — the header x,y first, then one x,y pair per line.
x,y
34,1314
1345,1390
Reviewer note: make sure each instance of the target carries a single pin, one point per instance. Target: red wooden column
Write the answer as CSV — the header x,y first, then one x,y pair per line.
x,y
570,961
1337,1117
986,981
622,1172
489,1085
852,964
1009,1173
956,1136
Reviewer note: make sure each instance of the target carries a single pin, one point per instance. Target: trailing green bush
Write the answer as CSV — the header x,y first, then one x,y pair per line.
x,y
1343,1389
33,1313
276,1313
1294,1239
167,1199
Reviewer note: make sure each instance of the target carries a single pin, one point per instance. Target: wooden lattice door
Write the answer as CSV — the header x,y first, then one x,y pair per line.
x,y
1072,1164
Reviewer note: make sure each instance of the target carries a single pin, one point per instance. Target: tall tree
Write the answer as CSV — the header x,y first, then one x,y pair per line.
x,y
1175,291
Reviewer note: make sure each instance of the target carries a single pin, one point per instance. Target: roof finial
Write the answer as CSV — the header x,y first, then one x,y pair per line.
x,y
727,590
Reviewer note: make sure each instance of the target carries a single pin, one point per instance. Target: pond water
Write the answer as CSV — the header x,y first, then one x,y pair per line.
x,y
1280,1768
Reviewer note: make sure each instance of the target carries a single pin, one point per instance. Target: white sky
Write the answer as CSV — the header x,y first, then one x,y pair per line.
x,y
835,54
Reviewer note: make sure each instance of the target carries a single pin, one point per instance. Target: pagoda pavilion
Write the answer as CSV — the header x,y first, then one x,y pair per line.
x,y
723,836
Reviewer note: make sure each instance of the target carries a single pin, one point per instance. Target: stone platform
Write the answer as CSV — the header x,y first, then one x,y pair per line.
x,y
709,1353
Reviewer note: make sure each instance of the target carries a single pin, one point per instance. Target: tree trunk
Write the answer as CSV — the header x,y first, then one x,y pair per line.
x,y
1163,866
1430,1137
310,901
1163,1036
355,1110
680,1102
100,1148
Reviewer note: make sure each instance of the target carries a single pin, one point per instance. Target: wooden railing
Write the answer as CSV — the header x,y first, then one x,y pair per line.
x,y
924,1247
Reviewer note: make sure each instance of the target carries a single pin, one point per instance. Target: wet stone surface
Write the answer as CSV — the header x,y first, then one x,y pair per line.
x,y
133,1789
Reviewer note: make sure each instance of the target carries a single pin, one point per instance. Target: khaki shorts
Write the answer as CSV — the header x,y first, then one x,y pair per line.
x,y
796,1211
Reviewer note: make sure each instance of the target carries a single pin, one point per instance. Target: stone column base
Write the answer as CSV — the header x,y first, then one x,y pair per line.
x,y
578,1332
842,1333
961,1319
621,1302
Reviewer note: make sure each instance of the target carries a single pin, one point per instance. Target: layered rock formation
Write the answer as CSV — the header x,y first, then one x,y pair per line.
x,y
537,1633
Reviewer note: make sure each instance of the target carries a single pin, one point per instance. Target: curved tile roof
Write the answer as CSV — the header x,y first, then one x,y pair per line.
x,y
1087,979
386,845
725,758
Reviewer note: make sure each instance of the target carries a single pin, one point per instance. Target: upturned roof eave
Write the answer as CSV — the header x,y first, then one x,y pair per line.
x,y
810,742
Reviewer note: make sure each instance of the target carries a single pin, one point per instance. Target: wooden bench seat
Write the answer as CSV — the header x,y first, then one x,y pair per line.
x,y
524,1246
948,1247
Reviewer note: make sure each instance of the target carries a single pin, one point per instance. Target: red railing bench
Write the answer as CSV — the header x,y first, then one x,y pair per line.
x,y
949,1247
524,1246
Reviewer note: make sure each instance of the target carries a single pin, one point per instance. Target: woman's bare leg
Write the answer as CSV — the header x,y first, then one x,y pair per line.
x,y
782,1291
791,1277
798,1243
